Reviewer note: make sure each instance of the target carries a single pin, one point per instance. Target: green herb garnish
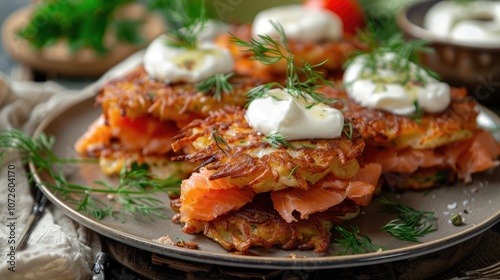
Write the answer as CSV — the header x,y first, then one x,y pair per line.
x,y
269,51
218,84
83,23
418,114
308,146
354,242
292,171
185,20
220,141
276,140
411,224
135,192
404,57
348,130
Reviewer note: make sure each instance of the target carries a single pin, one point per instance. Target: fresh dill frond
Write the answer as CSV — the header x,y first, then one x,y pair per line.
x,y
268,50
185,20
220,141
292,172
354,242
261,91
218,84
308,146
348,129
404,54
411,224
418,114
276,140
135,193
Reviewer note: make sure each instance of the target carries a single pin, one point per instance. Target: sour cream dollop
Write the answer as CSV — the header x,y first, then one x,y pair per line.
x,y
294,118
299,23
387,89
477,22
174,64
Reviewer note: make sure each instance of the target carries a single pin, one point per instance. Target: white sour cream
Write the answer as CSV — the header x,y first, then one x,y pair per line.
x,y
279,112
299,23
477,22
173,64
384,90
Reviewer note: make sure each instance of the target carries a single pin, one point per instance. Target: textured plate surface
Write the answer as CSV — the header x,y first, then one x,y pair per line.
x,y
478,203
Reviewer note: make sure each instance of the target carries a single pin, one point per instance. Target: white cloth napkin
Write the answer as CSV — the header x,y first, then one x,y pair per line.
x,y
58,247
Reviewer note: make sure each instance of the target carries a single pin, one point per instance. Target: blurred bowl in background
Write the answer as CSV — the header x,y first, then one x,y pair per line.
x,y
59,60
460,64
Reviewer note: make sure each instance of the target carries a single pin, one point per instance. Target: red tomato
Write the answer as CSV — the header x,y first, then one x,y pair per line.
x,y
351,13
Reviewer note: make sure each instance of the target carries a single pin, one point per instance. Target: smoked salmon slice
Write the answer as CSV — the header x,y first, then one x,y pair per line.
x,y
146,134
473,155
327,193
477,154
205,199
97,137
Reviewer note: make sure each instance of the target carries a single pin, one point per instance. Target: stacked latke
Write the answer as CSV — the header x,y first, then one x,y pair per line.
x,y
141,115
419,152
312,184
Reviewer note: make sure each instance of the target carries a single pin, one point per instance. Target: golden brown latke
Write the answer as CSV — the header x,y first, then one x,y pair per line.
x,y
259,224
457,122
137,94
242,155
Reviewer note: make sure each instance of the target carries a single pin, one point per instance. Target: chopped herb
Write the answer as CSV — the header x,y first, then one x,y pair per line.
x,y
218,84
135,193
219,140
276,140
354,242
293,171
418,114
308,146
411,223
457,220
348,130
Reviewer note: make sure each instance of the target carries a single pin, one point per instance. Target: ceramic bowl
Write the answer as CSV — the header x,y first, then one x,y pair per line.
x,y
473,66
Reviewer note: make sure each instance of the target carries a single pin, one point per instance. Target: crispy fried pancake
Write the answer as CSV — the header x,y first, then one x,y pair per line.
x,y
141,115
136,94
456,123
419,152
245,158
295,189
259,224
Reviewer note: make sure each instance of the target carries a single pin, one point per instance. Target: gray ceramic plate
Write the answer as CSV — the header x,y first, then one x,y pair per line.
x,y
479,204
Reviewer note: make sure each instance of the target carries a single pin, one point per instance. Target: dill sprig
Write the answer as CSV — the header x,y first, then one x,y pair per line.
x,y
135,192
411,223
218,84
268,50
418,114
220,141
354,242
348,130
185,20
276,140
81,23
405,56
